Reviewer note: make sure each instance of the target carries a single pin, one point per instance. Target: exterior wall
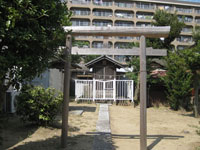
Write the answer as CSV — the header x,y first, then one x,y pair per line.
x,y
104,70
130,13
42,80
50,78
56,79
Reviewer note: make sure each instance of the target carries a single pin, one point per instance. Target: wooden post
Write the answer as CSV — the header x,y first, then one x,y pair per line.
x,y
66,91
143,85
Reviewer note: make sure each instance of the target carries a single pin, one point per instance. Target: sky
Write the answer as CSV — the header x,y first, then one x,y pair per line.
x,y
197,1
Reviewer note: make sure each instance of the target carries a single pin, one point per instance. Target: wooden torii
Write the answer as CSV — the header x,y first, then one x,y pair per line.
x,y
142,32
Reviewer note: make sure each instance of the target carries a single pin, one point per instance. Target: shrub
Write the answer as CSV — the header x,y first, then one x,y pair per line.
x,y
178,82
38,105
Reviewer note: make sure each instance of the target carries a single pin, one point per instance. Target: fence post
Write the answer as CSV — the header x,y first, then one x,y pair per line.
x,y
114,89
132,90
94,90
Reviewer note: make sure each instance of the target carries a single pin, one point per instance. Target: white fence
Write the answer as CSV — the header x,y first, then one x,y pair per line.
x,y
104,90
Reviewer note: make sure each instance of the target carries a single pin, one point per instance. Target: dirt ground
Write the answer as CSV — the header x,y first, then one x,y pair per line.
x,y
19,136
166,129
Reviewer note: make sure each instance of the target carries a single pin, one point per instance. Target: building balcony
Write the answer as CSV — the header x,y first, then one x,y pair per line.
x,y
102,3
80,2
80,22
124,4
124,14
145,6
102,13
80,12
185,39
124,23
102,23
184,10
165,7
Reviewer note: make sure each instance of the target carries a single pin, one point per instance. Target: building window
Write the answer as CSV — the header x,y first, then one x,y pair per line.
x,y
101,12
102,2
124,4
102,23
186,19
197,20
184,10
81,44
197,11
143,24
187,29
80,12
185,39
80,22
81,2
124,37
124,23
142,5
124,14
143,15
181,47
100,44
164,7
124,45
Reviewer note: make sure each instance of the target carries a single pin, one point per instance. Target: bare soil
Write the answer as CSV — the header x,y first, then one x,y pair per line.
x,y
166,129
19,136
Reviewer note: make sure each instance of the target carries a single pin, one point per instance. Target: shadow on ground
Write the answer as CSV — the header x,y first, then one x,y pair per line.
x,y
13,130
157,138
84,108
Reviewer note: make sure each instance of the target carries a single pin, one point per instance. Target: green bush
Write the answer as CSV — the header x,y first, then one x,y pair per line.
x,y
178,82
38,105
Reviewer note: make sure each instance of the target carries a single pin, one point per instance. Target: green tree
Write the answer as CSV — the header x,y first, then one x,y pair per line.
x,y
30,33
192,58
178,81
163,18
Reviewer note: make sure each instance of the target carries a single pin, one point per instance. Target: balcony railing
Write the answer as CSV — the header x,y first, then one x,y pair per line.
x,y
144,5
124,15
187,30
102,23
81,12
197,11
80,22
80,2
102,3
184,10
124,4
185,39
165,7
103,13
124,23
197,21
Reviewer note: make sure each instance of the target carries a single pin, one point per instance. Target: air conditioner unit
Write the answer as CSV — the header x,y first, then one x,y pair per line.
x,y
10,105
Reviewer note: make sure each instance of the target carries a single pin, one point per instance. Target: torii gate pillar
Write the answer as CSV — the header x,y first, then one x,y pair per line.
x,y
143,95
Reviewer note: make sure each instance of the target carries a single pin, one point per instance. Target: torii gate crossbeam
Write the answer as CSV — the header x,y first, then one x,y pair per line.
x,y
143,32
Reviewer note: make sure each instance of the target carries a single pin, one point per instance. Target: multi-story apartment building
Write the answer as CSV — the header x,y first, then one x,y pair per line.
x,y
131,13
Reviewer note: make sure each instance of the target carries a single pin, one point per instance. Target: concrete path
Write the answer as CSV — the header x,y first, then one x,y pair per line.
x,y
103,140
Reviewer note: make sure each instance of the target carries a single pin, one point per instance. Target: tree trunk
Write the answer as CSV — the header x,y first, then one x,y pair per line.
x,y
196,96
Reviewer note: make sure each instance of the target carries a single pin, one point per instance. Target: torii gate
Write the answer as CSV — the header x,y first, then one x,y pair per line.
x,y
142,32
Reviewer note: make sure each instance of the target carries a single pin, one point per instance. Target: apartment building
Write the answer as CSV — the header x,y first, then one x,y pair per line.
x,y
131,13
